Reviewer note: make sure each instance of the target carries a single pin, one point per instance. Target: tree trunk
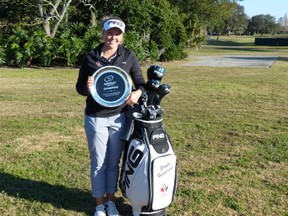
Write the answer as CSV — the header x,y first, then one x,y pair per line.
x,y
45,22
93,18
46,26
53,14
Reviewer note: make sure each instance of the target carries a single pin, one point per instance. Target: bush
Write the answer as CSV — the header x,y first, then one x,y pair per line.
x,y
91,38
157,22
69,43
2,56
39,49
271,41
153,33
154,52
24,48
70,47
14,47
75,41
2,52
137,44
174,52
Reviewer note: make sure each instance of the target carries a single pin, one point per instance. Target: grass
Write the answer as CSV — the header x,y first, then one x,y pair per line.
x,y
228,127
240,45
232,40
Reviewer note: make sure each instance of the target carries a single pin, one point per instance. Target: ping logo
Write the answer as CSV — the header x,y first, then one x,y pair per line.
x,y
159,71
115,22
134,157
109,78
158,136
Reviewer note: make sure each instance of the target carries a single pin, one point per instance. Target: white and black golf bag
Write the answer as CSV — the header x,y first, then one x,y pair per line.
x,y
149,172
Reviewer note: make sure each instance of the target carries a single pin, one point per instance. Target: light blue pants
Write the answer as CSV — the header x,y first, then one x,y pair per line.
x,y
105,148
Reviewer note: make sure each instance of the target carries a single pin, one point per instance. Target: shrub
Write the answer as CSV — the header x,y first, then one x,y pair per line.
x,y
75,40
2,56
157,22
91,38
2,53
174,52
14,47
154,52
39,49
137,44
69,47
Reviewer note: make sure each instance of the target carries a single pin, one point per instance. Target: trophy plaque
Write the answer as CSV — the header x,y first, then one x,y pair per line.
x,y
111,86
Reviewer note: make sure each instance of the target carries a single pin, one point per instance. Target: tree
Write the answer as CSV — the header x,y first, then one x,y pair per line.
x,y
263,24
199,17
16,12
52,14
158,24
237,23
283,22
156,29
87,10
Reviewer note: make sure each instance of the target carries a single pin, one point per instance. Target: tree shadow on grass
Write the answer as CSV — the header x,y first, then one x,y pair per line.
x,y
245,49
59,196
228,43
283,59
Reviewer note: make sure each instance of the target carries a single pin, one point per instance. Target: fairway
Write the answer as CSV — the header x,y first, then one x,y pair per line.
x,y
228,126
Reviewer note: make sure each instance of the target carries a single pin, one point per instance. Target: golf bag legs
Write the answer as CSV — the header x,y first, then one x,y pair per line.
x,y
138,211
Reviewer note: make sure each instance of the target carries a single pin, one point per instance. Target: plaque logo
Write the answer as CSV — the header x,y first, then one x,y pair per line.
x,y
109,78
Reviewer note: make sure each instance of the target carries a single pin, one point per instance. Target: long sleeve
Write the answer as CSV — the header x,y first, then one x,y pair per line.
x,y
81,87
136,74
87,68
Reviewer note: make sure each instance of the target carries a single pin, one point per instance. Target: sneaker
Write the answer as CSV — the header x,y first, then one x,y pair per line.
x,y
100,210
111,209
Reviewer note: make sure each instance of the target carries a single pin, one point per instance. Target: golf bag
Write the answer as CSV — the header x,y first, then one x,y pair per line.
x,y
149,170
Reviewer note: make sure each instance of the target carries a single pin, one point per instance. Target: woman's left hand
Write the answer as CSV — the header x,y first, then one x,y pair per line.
x,y
133,97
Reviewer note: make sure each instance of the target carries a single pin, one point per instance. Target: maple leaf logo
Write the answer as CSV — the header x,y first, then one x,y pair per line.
x,y
164,188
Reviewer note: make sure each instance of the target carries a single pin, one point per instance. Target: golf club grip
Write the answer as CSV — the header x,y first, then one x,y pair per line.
x,y
128,130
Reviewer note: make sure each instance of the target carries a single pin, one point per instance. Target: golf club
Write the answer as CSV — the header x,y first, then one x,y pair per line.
x,y
151,112
163,90
152,85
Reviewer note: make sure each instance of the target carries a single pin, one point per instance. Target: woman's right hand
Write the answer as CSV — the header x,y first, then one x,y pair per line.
x,y
90,82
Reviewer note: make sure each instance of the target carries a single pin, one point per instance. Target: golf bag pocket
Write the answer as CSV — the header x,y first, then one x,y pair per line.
x,y
164,181
159,141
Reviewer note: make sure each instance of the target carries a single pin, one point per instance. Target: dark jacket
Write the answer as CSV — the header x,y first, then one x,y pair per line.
x,y
125,59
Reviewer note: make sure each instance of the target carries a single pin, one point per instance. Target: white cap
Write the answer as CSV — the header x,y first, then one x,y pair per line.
x,y
114,23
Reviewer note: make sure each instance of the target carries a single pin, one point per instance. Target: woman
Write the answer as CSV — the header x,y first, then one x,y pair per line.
x,y
103,126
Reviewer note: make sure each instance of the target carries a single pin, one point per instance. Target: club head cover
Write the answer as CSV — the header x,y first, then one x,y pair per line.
x,y
156,72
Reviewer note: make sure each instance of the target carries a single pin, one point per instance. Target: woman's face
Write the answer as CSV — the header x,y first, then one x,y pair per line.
x,y
113,37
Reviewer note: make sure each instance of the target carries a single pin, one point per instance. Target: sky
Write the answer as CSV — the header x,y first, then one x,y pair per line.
x,y
276,8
